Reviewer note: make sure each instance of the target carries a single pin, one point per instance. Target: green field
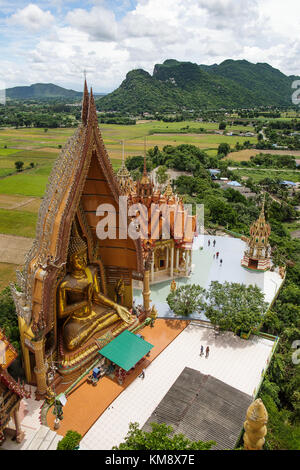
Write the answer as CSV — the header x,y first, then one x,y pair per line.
x,y
36,146
18,223
258,175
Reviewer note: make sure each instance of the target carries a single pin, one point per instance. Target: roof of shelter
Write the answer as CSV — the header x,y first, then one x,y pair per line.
x,y
126,350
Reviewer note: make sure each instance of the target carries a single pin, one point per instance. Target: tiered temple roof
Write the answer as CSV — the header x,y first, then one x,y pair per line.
x,y
146,193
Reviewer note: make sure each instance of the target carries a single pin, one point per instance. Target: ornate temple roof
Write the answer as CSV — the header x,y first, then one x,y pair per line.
x,y
260,229
82,179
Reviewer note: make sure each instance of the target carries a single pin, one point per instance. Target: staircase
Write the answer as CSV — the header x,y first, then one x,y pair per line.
x,y
43,439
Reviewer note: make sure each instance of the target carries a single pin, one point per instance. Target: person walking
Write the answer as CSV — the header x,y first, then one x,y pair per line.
x,y
217,254
221,261
214,243
207,352
208,242
214,256
201,351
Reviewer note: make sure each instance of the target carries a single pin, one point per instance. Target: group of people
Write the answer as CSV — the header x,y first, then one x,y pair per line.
x,y
206,351
217,254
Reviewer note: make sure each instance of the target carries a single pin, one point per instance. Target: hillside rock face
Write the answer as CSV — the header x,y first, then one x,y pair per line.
x,y
174,85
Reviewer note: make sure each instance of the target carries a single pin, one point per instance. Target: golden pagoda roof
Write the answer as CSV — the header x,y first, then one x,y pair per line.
x,y
168,191
260,227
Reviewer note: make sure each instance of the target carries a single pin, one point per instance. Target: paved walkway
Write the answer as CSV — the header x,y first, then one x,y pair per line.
x,y
237,362
206,268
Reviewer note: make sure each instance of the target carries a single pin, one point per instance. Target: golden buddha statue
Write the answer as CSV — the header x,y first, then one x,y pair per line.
x,y
80,300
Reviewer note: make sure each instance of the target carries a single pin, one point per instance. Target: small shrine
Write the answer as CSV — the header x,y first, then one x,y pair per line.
x,y
11,392
258,251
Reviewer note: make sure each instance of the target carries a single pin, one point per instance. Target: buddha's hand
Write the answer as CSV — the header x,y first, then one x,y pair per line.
x,y
123,313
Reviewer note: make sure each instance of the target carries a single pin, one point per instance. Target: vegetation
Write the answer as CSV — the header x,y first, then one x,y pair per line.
x,y
70,441
161,437
186,300
9,319
178,85
230,306
235,307
41,91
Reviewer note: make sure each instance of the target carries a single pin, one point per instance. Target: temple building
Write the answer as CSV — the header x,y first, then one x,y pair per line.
x,y
171,239
258,251
75,291
11,392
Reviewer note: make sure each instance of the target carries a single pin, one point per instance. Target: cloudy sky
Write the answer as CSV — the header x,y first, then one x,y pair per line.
x,y
54,41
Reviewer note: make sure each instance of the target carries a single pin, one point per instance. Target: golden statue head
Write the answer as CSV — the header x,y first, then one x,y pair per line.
x,y
77,254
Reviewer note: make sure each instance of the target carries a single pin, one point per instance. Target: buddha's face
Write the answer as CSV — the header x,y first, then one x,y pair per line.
x,y
78,261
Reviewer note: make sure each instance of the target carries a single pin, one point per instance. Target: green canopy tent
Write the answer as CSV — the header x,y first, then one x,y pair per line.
x,y
126,350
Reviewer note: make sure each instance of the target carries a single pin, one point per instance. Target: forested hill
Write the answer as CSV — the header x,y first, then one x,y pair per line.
x,y
40,91
174,85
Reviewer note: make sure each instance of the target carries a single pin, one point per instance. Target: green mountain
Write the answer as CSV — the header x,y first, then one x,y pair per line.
x,y
40,91
175,85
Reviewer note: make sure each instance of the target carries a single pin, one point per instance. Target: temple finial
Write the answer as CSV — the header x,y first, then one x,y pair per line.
x,y
255,426
92,114
145,165
85,103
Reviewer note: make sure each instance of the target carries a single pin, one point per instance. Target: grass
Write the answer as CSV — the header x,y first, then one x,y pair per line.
x,y
20,223
7,274
29,183
258,175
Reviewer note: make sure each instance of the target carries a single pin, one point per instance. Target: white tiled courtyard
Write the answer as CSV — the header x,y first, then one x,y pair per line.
x,y
237,362
206,268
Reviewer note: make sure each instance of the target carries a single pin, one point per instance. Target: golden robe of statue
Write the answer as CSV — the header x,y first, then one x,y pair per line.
x,y
80,300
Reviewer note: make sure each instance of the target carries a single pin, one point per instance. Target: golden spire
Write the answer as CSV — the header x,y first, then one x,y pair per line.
x,y
145,178
168,191
123,175
260,229
85,104
255,426
92,112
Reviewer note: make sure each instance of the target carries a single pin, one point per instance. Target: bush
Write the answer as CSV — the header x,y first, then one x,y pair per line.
x,y
70,441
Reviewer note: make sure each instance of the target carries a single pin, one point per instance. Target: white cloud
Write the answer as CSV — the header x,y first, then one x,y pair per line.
x,y
32,18
109,45
99,23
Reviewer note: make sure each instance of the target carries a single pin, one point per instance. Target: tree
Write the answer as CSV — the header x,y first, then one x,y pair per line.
x,y
161,175
222,126
223,149
70,441
235,307
160,438
19,165
186,300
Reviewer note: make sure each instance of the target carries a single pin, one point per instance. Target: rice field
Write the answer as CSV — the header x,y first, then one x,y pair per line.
x,y
21,192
